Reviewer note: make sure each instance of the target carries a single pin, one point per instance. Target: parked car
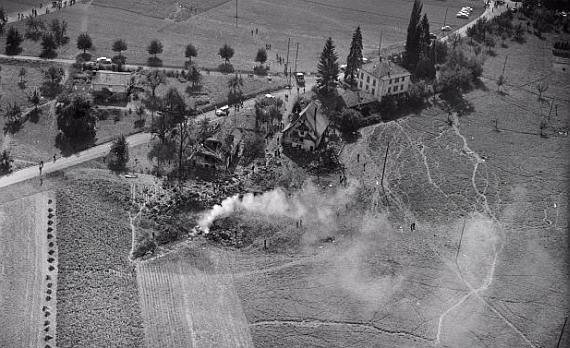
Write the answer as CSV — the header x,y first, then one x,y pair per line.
x,y
223,111
343,67
462,16
432,36
104,60
300,78
446,28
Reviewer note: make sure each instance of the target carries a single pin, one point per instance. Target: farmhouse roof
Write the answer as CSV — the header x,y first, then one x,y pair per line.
x,y
312,118
350,99
383,68
112,78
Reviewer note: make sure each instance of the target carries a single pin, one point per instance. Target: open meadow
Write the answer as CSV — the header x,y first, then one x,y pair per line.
x,y
28,271
307,23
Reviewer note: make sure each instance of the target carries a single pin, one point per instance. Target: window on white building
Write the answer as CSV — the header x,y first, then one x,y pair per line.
x,y
360,84
395,88
367,79
374,82
373,91
389,88
397,80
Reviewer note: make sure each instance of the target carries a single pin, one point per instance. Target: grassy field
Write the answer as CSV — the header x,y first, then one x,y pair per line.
x,y
11,90
190,293
18,5
27,289
97,294
307,22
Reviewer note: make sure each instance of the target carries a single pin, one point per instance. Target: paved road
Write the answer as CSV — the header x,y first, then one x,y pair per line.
x,y
66,162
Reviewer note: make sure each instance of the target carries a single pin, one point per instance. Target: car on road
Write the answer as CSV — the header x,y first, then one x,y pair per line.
x,y
432,36
343,68
103,60
446,28
269,96
300,78
223,111
462,16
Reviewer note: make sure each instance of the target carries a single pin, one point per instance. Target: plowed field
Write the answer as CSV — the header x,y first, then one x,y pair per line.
x,y
188,301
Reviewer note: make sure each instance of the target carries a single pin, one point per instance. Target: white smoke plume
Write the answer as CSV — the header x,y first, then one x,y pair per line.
x,y
309,204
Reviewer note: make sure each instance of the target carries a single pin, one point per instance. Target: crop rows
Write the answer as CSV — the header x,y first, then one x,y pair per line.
x,y
97,292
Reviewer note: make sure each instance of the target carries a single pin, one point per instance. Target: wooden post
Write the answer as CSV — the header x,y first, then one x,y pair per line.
x,y
561,332
236,13
383,170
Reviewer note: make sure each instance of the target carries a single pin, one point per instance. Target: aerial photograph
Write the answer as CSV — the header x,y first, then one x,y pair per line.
x,y
284,173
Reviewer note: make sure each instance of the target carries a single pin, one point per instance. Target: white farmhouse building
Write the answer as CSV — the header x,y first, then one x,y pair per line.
x,y
382,77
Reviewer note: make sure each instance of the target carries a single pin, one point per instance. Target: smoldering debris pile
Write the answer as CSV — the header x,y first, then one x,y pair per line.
x,y
308,206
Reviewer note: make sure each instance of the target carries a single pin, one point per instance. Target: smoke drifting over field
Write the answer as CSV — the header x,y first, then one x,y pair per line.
x,y
309,205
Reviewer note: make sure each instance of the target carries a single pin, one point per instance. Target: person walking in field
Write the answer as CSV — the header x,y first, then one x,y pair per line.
x,y
413,226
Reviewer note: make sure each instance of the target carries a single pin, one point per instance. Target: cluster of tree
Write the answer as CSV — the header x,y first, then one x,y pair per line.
x,y
235,94
171,126
418,40
268,111
52,36
354,59
487,31
3,20
118,156
6,161
14,119
261,58
51,85
76,120
545,15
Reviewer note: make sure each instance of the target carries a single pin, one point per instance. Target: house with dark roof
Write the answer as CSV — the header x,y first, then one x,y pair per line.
x,y
382,77
306,130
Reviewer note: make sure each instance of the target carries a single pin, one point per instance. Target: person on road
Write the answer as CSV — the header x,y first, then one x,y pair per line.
x,y
53,158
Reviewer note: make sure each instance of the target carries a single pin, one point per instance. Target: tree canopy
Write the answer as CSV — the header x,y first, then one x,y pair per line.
x,y
119,154
120,45
84,42
75,118
226,52
3,20
354,59
412,49
49,45
328,68
190,52
34,28
261,56
59,32
13,41
155,47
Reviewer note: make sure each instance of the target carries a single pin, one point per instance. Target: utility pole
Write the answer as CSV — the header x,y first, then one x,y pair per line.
x,y
236,13
504,66
445,18
383,169
287,62
296,57
561,333
380,47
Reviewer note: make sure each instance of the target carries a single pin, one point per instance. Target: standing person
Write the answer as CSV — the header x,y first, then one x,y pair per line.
x,y
53,158
413,226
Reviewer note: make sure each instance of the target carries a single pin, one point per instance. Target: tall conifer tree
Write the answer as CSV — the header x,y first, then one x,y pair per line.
x,y
412,53
354,59
327,68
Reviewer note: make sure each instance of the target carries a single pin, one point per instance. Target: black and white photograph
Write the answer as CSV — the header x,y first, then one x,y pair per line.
x,y
284,174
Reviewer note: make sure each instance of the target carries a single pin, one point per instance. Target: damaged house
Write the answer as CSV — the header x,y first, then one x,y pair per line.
x,y
306,130
218,152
